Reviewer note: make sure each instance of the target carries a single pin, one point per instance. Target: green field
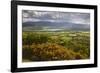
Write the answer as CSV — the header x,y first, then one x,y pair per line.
x,y
50,45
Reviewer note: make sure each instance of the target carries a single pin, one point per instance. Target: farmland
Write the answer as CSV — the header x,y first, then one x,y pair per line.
x,y
55,45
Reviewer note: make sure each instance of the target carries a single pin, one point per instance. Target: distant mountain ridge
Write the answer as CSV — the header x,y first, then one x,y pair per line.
x,y
64,25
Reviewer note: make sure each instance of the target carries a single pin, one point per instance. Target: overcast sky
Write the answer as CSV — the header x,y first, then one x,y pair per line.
x,y
73,17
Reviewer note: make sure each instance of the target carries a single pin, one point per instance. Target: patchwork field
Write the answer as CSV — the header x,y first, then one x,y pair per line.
x,y
58,45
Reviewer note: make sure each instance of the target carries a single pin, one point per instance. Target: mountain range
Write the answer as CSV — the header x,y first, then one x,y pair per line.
x,y
40,25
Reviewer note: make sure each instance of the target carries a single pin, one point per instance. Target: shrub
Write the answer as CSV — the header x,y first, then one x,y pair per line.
x,y
26,52
35,38
49,52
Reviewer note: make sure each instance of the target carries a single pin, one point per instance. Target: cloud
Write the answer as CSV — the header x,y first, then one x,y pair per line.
x,y
73,17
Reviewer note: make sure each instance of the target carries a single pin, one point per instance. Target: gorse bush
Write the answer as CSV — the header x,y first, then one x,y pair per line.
x,y
49,52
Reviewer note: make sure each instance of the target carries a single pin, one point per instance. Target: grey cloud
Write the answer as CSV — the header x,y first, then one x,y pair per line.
x,y
74,17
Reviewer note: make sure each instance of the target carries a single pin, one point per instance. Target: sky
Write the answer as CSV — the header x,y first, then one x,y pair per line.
x,y
71,17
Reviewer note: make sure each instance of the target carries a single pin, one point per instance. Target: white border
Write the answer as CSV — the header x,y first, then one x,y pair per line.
x,y
53,63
